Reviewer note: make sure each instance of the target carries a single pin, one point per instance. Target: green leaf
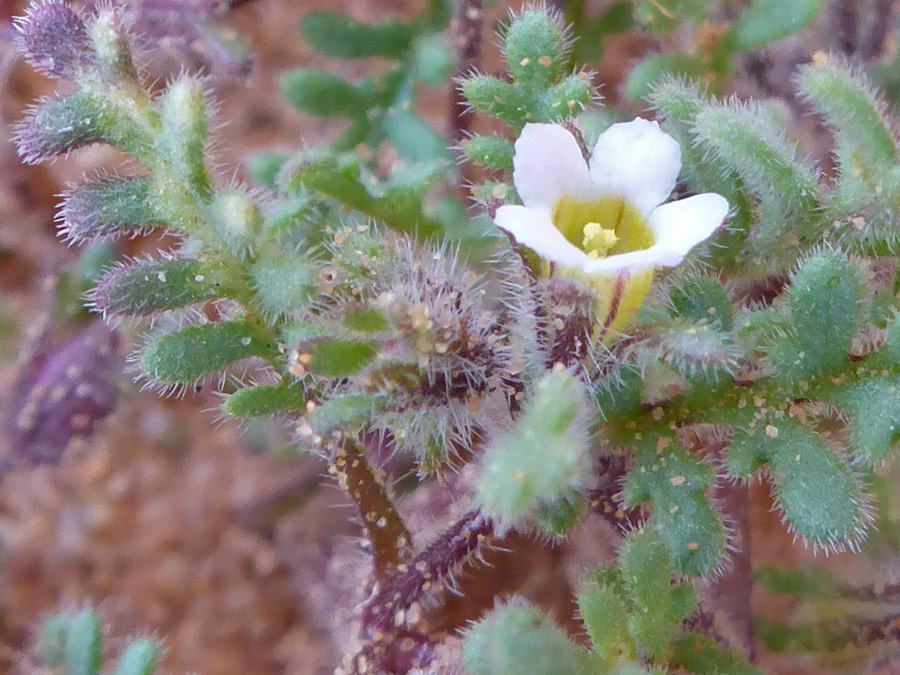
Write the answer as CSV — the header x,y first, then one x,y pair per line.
x,y
557,517
853,110
144,288
366,321
821,497
182,140
675,481
54,636
493,152
399,206
873,407
646,567
542,459
535,47
57,126
265,167
139,658
284,282
265,399
517,639
340,358
767,20
111,207
323,94
700,654
494,97
747,140
646,74
84,644
701,298
824,299
340,411
413,138
605,610
342,37
192,353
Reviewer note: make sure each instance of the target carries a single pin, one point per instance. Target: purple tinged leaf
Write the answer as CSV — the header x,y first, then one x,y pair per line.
x,y
56,39
62,395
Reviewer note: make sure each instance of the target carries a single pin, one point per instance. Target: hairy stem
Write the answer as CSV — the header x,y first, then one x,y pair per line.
x,y
386,530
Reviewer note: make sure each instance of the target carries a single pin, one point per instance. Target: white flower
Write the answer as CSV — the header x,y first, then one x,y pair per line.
x,y
604,220
605,216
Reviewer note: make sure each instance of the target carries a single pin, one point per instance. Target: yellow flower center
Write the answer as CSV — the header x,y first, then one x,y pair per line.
x,y
602,227
598,240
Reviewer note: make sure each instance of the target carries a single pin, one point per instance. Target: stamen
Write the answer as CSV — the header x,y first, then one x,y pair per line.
x,y
598,240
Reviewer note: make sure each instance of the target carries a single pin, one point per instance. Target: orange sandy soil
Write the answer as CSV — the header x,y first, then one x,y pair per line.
x,y
167,521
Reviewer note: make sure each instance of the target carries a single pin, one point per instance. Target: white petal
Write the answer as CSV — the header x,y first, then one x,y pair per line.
x,y
548,165
655,256
638,161
534,228
681,225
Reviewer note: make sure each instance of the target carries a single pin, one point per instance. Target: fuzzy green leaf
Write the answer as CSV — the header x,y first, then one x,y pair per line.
x,y
182,140
398,206
819,494
236,220
366,321
535,47
340,411
84,644
747,140
674,480
544,458
494,97
493,152
284,282
517,639
647,575
701,654
340,358
824,298
111,207
701,298
144,288
853,110
873,407
605,609
139,658
192,353
57,126
264,400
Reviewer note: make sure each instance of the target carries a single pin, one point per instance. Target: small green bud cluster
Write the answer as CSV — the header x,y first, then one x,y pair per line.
x,y
536,45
